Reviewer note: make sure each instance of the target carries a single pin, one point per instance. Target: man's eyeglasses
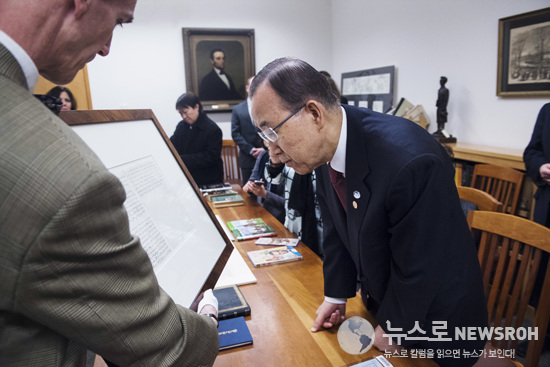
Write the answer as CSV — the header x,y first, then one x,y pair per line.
x,y
269,135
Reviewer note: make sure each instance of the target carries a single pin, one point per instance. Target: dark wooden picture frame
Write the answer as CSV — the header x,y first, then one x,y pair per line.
x,y
371,88
196,263
524,54
238,47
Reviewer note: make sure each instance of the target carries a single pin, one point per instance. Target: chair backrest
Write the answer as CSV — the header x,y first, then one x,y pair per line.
x,y
481,199
230,157
510,251
503,183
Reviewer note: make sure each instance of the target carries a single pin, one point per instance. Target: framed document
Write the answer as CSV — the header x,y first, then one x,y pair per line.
x,y
370,88
184,241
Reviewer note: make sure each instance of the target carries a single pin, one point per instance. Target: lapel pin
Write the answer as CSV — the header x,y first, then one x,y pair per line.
x,y
354,204
356,194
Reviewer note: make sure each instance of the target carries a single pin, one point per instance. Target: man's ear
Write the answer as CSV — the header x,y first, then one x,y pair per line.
x,y
316,111
80,7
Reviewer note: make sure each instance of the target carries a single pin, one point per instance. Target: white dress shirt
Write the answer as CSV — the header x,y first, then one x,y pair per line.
x,y
24,60
223,77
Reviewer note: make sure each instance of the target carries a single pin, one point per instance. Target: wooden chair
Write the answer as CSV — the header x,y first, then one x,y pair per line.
x,y
503,183
510,254
481,199
230,157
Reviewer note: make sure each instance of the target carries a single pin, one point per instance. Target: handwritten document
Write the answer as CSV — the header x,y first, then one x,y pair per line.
x,y
368,84
156,215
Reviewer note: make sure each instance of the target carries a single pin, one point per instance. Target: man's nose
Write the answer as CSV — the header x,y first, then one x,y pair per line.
x,y
106,48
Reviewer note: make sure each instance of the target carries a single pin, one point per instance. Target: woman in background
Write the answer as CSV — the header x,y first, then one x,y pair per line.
x,y
269,194
301,207
198,141
65,95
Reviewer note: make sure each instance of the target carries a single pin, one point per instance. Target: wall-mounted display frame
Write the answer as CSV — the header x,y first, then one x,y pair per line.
x,y
202,48
185,242
524,55
370,88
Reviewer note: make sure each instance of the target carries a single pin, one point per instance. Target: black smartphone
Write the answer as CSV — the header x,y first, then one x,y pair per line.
x,y
259,182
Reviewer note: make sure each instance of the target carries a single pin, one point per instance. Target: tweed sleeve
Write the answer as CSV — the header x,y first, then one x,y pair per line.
x,y
87,278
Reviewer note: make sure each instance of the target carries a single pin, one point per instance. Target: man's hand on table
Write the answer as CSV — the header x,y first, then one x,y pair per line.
x,y
329,315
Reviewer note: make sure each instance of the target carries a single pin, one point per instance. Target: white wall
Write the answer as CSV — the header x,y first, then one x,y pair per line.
x,y
145,68
426,39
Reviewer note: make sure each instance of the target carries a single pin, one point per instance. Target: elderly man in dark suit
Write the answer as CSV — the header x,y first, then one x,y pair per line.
x,y
390,210
243,132
72,277
217,85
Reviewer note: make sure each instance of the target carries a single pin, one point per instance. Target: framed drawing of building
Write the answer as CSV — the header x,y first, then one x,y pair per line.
x,y
217,64
185,243
524,55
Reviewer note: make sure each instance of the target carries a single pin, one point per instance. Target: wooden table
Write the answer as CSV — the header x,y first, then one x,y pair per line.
x,y
283,304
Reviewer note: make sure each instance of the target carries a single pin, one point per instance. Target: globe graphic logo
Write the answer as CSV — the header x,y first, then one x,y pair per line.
x,y
356,335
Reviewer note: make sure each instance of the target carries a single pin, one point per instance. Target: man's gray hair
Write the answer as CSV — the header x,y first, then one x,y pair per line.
x,y
296,82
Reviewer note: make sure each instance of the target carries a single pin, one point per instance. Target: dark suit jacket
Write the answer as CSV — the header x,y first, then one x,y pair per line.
x,y
244,134
200,148
212,88
408,239
536,154
72,277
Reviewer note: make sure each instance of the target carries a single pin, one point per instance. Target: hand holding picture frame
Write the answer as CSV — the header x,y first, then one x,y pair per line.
x,y
524,55
184,241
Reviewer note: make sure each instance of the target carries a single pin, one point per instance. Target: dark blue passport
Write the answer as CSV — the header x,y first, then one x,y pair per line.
x,y
233,333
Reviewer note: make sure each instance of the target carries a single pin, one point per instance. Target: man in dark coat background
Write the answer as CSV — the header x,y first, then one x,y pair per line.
x,y
537,163
243,132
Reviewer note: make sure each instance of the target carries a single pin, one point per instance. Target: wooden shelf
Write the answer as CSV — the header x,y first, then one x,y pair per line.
x,y
512,158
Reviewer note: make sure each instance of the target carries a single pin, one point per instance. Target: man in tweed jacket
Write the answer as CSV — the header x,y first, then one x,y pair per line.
x,y
72,277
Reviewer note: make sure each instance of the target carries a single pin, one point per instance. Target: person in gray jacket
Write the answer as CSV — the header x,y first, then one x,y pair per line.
x,y
73,278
